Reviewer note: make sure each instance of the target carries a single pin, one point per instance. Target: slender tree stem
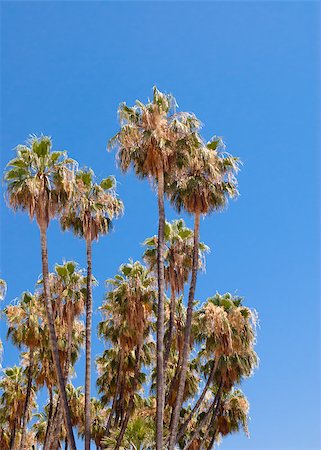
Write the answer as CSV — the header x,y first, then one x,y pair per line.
x,y
53,337
27,401
53,440
200,426
170,328
160,315
215,413
13,434
88,343
199,401
187,336
213,408
49,423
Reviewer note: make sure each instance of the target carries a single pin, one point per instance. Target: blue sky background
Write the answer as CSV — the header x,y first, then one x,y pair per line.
x,y
250,72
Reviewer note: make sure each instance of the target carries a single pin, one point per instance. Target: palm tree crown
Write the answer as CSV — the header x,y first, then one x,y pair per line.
x,y
207,183
93,206
39,180
153,136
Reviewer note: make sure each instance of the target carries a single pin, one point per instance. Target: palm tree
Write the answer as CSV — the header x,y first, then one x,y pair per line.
x,y
178,258
139,435
128,311
24,330
203,187
39,181
68,290
154,139
89,216
226,416
13,399
225,329
98,427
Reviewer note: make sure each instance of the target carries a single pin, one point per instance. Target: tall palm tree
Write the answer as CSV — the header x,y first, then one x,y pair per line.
x,y
68,287
39,181
154,139
128,311
89,215
24,330
178,258
201,188
68,290
225,331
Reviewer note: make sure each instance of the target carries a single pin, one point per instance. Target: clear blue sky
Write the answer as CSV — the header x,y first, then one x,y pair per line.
x,y
250,72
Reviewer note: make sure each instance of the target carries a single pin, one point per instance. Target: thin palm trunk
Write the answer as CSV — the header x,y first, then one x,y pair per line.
x,y
160,315
88,343
170,327
187,336
49,423
117,391
199,401
120,404
27,401
215,413
212,409
131,401
200,426
53,439
59,415
59,411
53,337
13,434
69,345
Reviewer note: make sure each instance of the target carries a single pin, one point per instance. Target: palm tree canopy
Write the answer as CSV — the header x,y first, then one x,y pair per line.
x,y
178,254
207,183
38,179
226,330
25,321
129,304
93,206
153,136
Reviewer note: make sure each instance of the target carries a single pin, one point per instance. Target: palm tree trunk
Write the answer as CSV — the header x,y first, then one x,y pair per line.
x,y
59,415
58,422
53,337
13,434
170,327
26,405
131,401
160,315
211,426
187,336
53,439
120,403
88,343
49,423
117,390
213,408
199,401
